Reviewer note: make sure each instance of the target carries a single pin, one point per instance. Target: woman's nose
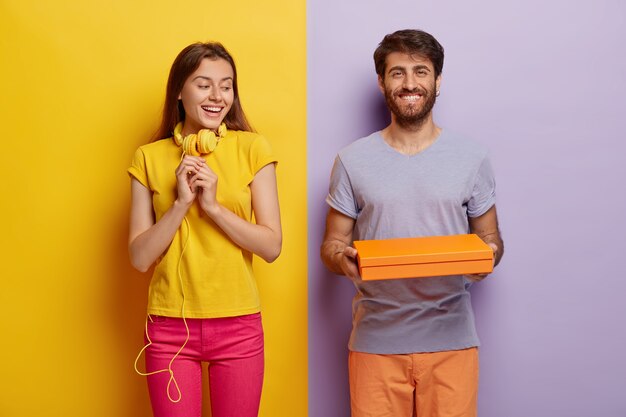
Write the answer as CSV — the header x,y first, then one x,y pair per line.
x,y
214,94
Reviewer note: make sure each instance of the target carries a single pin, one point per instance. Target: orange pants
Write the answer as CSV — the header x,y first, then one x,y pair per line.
x,y
439,384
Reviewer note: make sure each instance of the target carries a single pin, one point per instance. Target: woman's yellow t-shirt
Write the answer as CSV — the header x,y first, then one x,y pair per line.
x,y
216,274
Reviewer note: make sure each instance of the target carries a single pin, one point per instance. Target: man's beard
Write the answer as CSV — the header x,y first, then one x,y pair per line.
x,y
413,117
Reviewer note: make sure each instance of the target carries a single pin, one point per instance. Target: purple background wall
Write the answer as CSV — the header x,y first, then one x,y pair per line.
x,y
543,85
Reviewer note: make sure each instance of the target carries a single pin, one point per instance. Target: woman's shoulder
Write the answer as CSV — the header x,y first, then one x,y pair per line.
x,y
158,146
247,140
251,144
244,136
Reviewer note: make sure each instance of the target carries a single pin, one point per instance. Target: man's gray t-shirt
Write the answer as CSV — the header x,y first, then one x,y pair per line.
x,y
391,195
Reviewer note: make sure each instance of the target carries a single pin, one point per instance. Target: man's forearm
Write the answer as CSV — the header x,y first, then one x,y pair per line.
x,y
330,253
494,238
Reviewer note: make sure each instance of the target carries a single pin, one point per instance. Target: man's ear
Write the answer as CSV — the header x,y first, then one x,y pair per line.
x,y
381,84
438,83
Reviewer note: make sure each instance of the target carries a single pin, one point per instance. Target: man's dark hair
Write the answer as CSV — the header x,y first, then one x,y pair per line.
x,y
409,41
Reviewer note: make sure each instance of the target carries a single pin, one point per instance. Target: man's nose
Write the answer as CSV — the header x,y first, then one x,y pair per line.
x,y
409,82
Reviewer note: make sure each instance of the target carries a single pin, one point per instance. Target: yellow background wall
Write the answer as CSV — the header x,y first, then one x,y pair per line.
x,y
82,86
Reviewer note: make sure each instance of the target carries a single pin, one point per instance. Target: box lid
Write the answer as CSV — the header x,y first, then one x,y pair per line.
x,y
422,250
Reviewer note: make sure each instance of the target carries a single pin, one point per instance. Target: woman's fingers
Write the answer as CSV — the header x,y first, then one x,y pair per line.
x,y
190,165
205,175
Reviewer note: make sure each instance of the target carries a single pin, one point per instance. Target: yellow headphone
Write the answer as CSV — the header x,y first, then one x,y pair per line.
x,y
203,142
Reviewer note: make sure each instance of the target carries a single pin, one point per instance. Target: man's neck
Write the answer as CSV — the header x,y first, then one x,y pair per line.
x,y
410,140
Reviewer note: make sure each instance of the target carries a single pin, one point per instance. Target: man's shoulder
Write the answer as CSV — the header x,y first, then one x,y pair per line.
x,y
463,144
360,147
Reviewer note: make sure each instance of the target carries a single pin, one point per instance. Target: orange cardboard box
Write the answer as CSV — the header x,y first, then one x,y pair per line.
x,y
423,257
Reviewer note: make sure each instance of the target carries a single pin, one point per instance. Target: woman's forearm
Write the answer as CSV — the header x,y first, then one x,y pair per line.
x,y
261,240
149,239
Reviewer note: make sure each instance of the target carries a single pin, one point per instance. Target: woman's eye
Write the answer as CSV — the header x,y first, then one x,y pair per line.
x,y
226,88
204,87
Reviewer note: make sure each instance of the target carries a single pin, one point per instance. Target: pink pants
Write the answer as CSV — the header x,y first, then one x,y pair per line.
x,y
233,347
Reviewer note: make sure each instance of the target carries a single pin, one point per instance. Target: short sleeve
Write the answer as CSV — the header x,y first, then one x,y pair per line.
x,y
260,154
137,168
340,194
484,190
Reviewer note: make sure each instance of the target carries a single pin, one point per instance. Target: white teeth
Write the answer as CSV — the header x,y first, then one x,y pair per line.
x,y
411,98
212,109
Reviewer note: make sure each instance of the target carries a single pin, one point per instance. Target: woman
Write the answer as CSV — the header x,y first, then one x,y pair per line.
x,y
193,195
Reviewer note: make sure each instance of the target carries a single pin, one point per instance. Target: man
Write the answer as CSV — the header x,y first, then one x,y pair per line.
x,y
413,347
